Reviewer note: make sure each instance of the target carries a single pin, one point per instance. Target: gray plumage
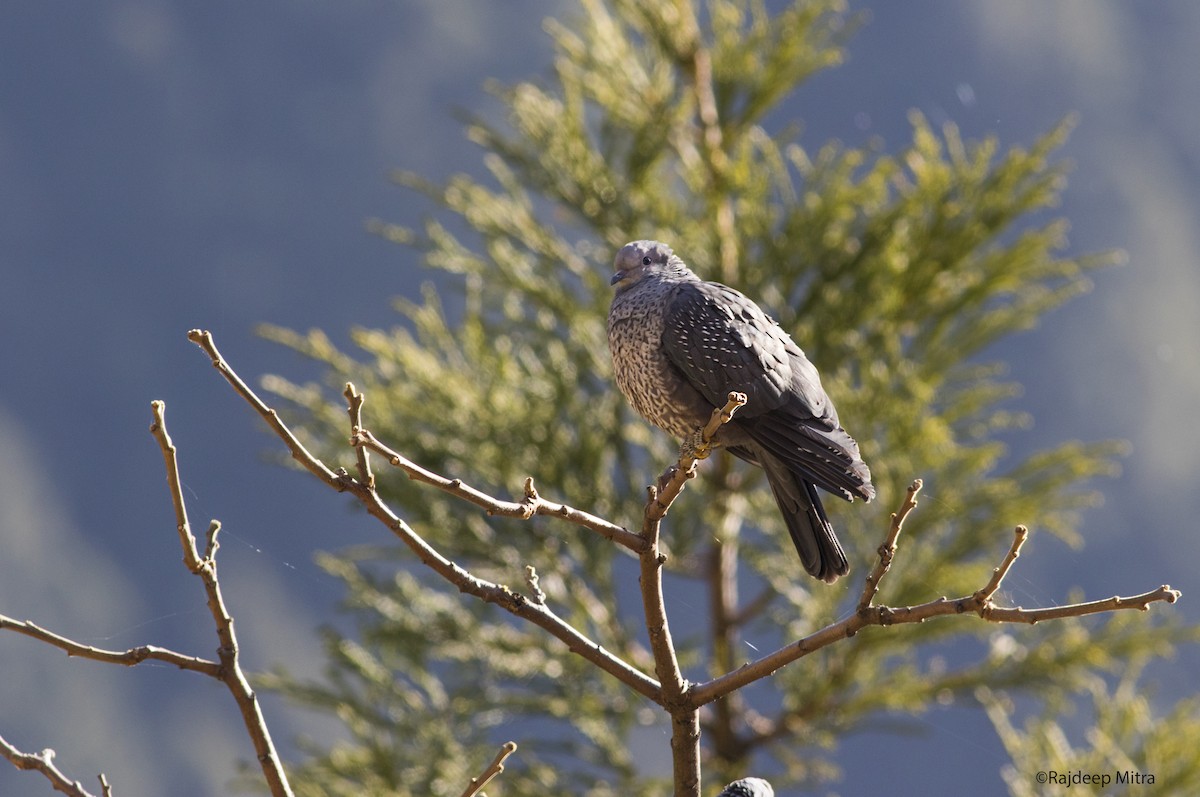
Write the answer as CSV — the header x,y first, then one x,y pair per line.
x,y
680,345
748,787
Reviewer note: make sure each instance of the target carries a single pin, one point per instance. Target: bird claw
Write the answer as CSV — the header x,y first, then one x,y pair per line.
x,y
665,478
695,447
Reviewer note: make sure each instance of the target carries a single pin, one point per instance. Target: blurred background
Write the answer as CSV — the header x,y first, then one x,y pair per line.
x,y
166,165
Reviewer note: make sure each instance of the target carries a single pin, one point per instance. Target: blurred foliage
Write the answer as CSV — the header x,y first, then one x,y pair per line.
x,y
1119,733
894,270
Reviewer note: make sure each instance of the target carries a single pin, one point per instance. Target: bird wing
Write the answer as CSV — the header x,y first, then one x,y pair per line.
x,y
721,341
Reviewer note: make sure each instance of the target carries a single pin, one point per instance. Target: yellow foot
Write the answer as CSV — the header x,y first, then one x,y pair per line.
x,y
694,446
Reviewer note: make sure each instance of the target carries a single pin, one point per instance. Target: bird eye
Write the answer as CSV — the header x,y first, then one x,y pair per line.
x,y
645,261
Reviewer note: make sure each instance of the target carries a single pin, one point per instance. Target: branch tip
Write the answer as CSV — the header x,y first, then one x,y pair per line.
x,y
493,769
362,457
210,549
887,549
531,578
1020,534
42,762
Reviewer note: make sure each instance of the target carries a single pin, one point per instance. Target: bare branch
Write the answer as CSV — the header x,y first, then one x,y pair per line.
x,y
230,670
978,603
191,557
507,599
685,719
354,409
1020,534
672,481
212,546
531,579
681,699
886,615
532,504
493,769
685,751
666,663
888,549
227,669
44,762
127,658
203,339
498,594
720,417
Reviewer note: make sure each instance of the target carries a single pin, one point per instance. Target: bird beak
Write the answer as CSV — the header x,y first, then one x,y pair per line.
x,y
620,275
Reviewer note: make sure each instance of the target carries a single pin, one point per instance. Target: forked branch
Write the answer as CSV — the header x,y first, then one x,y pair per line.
x,y
532,503
680,698
685,717
127,658
227,669
666,664
514,602
979,603
44,762
230,672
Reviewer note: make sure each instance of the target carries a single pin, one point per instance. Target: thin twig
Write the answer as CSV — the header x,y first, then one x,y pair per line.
x,y
978,603
666,663
888,549
187,540
204,340
532,504
676,477
681,699
127,658
44,762
498,594
886,615
354,408
212,545
361,438
230,670
535,589
227,669
685,719
493,769
507,599
1020,534
1017,614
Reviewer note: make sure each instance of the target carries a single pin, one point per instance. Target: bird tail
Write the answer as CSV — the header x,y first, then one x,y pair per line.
x,y
820,552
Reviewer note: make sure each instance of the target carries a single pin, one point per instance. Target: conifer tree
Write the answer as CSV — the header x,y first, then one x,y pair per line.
x,y
894,270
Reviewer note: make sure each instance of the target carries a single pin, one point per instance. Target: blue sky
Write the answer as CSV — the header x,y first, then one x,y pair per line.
x,y
167,165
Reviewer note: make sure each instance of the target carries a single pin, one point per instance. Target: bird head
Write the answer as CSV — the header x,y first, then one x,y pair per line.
x,y
641,259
